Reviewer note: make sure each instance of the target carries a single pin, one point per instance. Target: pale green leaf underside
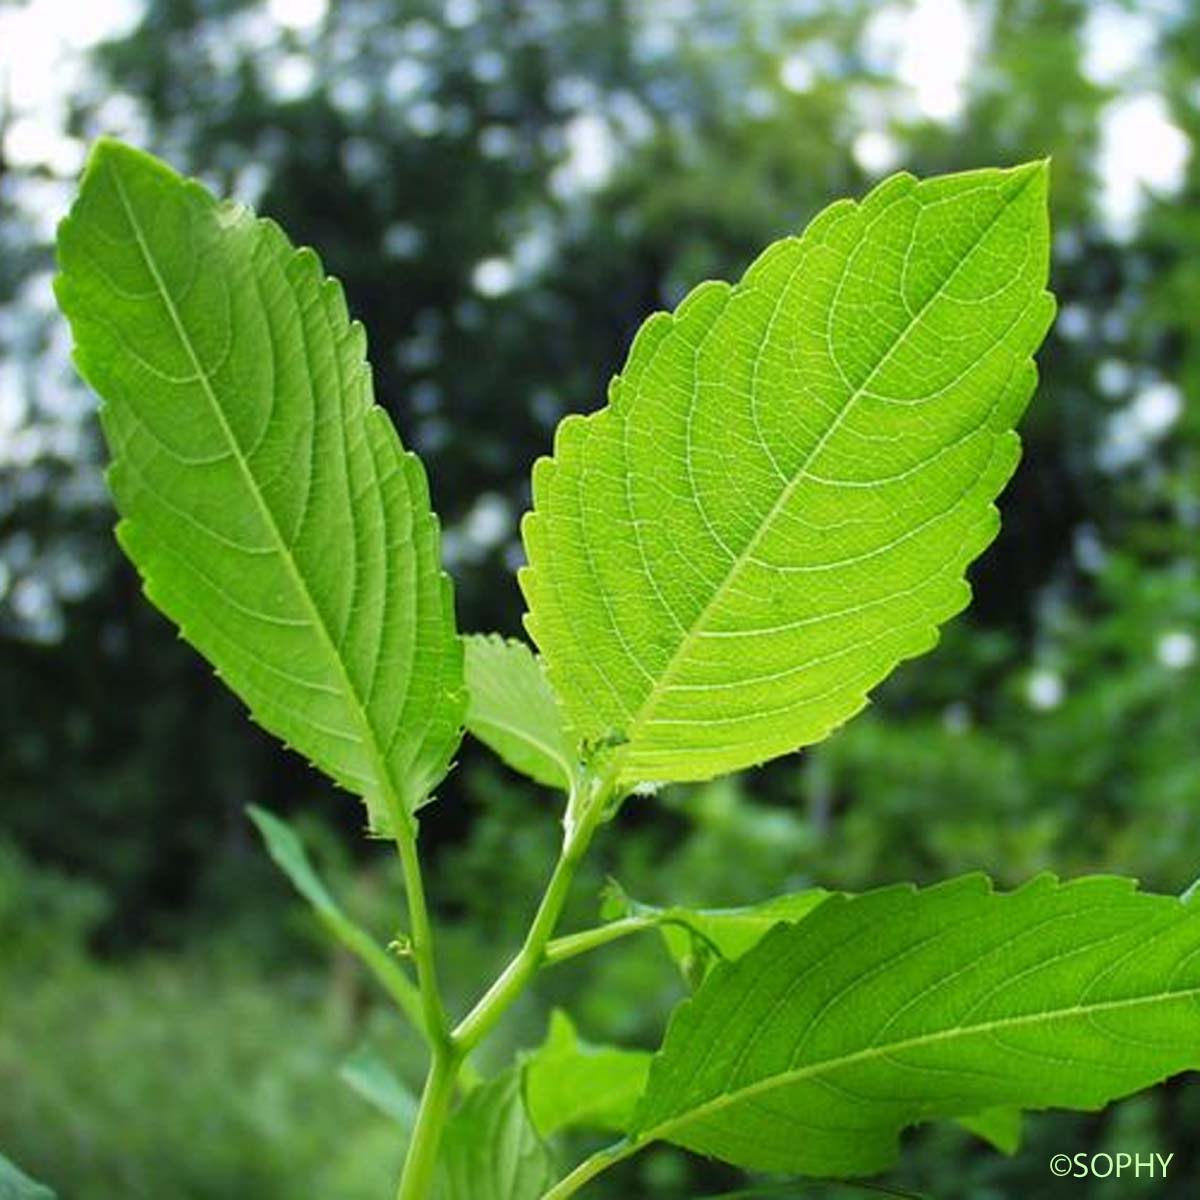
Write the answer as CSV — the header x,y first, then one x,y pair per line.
x,y
511,708
267,502
999,1127
373,1079
813,1051
288,854
490,1150
16,1185
779,501
570,1084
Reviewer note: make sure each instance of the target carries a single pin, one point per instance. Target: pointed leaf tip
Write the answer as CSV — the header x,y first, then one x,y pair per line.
x,y
780,500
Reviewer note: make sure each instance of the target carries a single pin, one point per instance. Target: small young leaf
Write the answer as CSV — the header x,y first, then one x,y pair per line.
x,y
570,1084
697,938
265,499
285,848
367,1074
813,1051
490,1150
790,478
512,709
999,1127
16,1185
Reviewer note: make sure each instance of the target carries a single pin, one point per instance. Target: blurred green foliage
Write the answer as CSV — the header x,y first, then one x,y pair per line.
x,y
507,188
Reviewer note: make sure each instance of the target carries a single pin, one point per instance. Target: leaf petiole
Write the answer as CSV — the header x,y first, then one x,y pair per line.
x,y
589,806
573,944
592,1166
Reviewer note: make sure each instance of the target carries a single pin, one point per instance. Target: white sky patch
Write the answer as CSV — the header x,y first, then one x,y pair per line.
x,y
1141,150
43,47
1176,650
488,522
591,156
13,404
876,151
930,46
797,72
38,36
1116,43
1044,689
405,78
458,14
403,239
291,77
1114,377
1131,432
494,277
1074,322
299,15
32,142
1089,551
1157,407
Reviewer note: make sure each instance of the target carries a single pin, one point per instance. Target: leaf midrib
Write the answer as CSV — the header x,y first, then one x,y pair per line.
x,y
391,796
655,694
664,1129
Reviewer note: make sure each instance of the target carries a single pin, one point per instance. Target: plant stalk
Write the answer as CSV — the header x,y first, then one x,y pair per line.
x,y
586,810
590,1168
416,1182
436,1025
583,820
573,944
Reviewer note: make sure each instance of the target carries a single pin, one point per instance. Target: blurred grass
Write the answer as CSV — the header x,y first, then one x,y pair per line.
x,y
190,1075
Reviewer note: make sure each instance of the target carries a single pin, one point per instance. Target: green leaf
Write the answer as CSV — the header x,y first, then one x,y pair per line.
x,y
699,938
266,501
696,938
287,851
813,1052
570,1084
779,501
797,1188
368,1075
490,1150
16,1185
999,1127
511,708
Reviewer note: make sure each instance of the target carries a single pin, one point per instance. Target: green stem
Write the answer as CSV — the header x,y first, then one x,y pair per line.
x,y
591,1167
416,1183
416,1180
563,948
586,809
583,820
436,1026
573,944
